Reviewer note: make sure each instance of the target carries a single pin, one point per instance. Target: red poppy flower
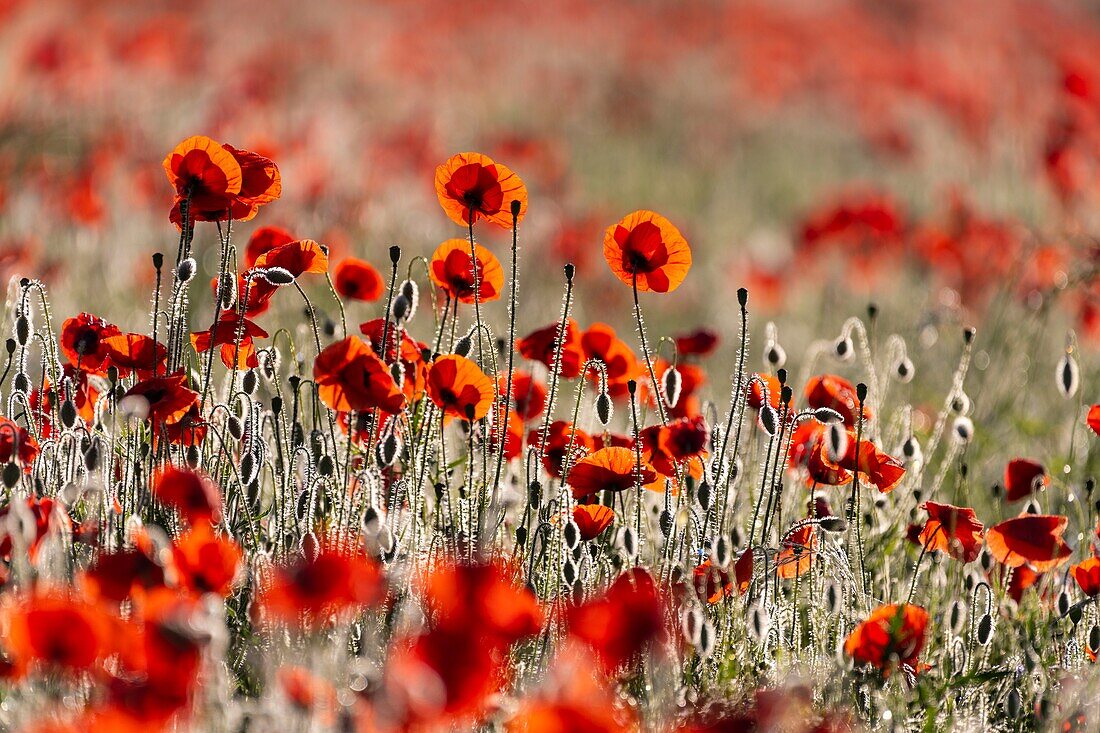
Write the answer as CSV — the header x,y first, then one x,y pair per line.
x,y
460,388
265,239
481,599
356,279
883,471
951,529
797,553
700,342
414,384
205,172
755,391
1023,477
133,352
513,437
1093,419
298,258
254,291
472,185
167,399
1020,579
646,246
1087,575
190,430
452,272
836,393
205,562
57,631
561,436
540,345
894,634
528,395
126,573
334,582
592,519
350,376
1032,539
712,584
240,353
76,387
623,622
742,571
16,444
45,513
221,181
608,469
192,494
82,342
601,342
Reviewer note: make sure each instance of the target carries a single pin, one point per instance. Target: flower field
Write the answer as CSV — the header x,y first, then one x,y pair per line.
x,y
701,366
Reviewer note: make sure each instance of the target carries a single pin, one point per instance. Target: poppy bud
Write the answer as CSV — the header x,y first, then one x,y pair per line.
x,y
395,254
534,493
9,346
844,349
227,291
326,466
963,430
1063,604
910,448
10,474
705,495
571,534
904,370
1094,639
570,270
1013,704
569,572
397,371
631,386
861,392
956,615
277,275
603,408
721,553
759,622
785,395
665,522
833,524
1068,376
1075,612
836,442
185,272
705,643
628,542
22,329
400,309
769,420
249,469
515,208
985,629
827,416
91,457
158,261
521,535
411,292
193,456
832,598
742,297
463,345
68,413
21,383
960,404
774,355
388,449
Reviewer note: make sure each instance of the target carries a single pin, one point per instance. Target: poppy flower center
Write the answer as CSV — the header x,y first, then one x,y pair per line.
x,y
643,249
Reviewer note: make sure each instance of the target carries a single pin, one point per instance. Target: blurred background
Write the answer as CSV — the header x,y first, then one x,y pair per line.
x,y
936,158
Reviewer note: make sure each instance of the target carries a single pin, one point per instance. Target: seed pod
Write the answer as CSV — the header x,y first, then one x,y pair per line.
x,y
326,466
910,449
410,291
534,493
960,404
956,616
1068,376
186,270
603,408
277,275
769,419
672,383
227,291
904,370
985,629
249,382
759,622
91,457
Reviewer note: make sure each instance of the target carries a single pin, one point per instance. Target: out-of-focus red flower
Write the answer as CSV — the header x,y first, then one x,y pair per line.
x,y
356,279
755,391
17,444
193,495
205,562
235,336
623,622
601,342
57,631
1030,539
528,395
1023,477
1087,575
836,393
263,240
44,513
540,345
561,437
700,342
797,553
1093,419
592,519
893,635
951,529
335,582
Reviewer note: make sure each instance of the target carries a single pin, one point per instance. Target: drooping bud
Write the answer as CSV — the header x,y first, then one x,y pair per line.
x,y
672,383
1068,375
186,270
603,408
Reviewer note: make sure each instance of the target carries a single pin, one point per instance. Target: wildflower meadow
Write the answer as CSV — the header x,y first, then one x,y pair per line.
x,y
696,366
